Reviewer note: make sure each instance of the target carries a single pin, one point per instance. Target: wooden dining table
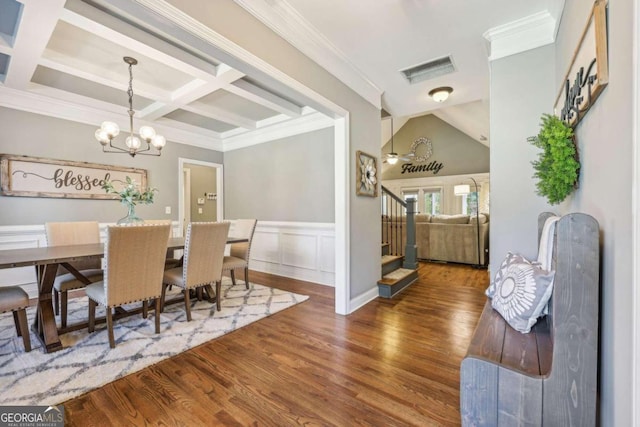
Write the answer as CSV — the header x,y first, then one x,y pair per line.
x,y
46,261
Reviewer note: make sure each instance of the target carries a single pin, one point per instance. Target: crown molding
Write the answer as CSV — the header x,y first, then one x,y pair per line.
x,y
285,21
524,34
174,131
61,109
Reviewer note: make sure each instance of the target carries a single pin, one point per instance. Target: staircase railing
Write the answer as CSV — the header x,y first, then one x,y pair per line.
x,y
399,227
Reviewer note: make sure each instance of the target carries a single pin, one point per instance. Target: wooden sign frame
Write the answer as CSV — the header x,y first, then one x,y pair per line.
x,y
25,176
589,69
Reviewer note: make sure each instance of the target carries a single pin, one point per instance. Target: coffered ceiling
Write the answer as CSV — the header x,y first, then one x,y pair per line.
x,y
65,59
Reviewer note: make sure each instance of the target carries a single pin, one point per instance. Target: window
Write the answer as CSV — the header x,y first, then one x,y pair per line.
x,y
470,203
410,194
432,201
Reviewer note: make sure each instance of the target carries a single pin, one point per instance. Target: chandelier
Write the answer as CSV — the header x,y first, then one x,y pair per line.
x,y
109,130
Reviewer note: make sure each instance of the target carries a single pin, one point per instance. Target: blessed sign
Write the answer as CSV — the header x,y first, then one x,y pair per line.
x,y
37,177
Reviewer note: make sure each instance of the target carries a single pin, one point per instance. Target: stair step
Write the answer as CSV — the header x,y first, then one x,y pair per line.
x,y
390,263
396,276
388,259
395,281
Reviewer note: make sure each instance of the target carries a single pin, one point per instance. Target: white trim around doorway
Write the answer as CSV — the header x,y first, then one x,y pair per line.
x,y
219,186
635,355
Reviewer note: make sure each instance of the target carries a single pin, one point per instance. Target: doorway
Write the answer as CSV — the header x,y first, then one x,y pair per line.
x,y
200,192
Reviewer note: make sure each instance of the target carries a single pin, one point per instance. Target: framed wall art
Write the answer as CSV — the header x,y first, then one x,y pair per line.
x,y
588,73
366,175
25,176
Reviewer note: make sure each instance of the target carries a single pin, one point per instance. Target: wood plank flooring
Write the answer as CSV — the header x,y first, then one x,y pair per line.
x,y
391,363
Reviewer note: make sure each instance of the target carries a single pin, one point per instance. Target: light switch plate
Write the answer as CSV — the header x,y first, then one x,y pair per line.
x,y
167,210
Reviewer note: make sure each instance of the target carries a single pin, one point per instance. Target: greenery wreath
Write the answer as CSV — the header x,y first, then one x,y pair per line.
x,y
557,167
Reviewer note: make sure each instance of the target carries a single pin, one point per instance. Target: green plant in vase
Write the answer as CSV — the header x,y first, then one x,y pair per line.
x,y
131,195
557,167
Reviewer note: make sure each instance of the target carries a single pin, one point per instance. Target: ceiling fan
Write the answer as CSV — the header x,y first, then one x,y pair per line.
x,y
393,157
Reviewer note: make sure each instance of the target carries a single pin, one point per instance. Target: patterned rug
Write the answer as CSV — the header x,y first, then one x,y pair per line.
x,y
87,362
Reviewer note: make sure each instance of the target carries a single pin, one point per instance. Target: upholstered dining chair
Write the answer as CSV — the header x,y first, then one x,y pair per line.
x,y
73,233
202,266
170,261
239,253
134,264
16,300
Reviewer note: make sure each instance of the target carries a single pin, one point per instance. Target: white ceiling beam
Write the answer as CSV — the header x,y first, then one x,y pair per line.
x,y
175,59
80,100
193,91
75,68
221,115
38,20
266,99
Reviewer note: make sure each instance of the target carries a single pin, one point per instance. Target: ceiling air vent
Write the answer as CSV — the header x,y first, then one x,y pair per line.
x,y
429,70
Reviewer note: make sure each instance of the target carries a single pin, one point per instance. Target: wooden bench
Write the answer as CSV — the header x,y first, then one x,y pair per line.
x,y
549,376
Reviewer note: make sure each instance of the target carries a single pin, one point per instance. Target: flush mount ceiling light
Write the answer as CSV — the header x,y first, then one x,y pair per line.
x,y
110,130
440,94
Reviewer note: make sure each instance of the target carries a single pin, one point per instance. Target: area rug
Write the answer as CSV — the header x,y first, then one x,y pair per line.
x,y
87,362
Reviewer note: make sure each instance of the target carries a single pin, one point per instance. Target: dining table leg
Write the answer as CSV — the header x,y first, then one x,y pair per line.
x,y
44,325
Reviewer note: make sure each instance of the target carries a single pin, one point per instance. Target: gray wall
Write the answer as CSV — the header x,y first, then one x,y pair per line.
x,y
605,145
522,88
290,179
364,120
457,152
40,136
203,180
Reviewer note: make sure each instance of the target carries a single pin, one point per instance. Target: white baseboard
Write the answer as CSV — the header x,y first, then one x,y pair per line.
x,y
362,299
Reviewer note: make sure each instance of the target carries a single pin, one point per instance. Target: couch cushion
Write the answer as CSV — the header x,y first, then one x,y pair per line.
x,y
450,219
482,217
423,218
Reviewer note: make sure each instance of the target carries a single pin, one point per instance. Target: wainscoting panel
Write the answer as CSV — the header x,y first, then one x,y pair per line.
x,y
326,251
299,250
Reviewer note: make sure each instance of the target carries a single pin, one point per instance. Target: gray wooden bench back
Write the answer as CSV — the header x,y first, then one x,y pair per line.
x,y
548,377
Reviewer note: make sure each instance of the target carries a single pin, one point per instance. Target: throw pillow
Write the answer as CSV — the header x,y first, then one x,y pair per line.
x,y
491,290
521,291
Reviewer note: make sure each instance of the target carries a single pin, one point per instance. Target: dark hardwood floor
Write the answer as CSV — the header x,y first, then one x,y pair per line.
x,y
393,362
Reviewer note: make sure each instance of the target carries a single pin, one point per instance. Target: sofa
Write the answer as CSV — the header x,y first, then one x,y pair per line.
x,y
450,238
